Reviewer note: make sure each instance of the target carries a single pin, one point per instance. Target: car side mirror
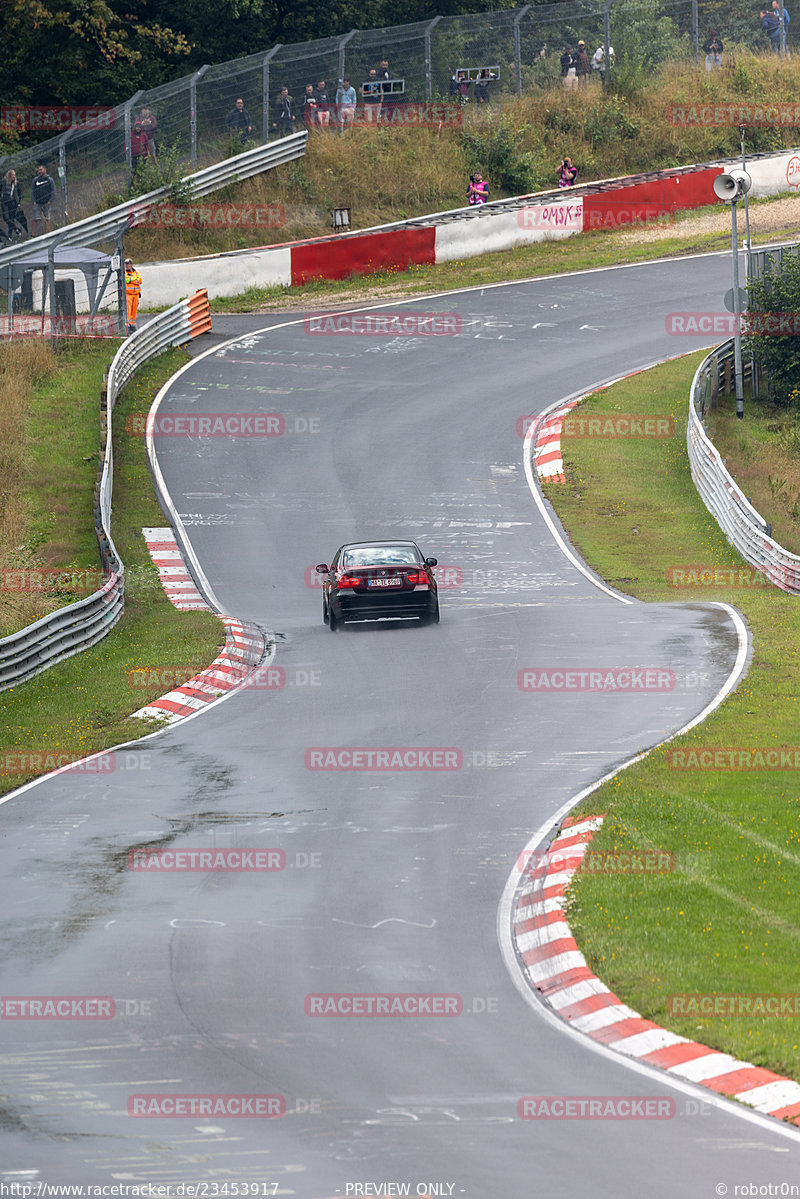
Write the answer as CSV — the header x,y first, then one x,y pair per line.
x,y
431,561
322,569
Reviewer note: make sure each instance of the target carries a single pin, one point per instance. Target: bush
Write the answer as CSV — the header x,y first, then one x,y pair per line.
x,y
777,291
494,152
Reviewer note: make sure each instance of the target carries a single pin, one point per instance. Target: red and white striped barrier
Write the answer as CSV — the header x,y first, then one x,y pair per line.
x,y
555,967
244,644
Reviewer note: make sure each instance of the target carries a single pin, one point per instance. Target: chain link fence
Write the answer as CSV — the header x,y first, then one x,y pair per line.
x,y
94,166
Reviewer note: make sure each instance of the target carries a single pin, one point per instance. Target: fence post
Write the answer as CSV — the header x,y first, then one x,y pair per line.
x,y
342,43
696,33
265,89
193,112
518,47
62,172
127,115
428,80
607,42
122,293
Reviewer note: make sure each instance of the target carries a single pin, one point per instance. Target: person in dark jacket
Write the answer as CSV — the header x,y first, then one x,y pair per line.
x,y
11,205
323,104
770,24
238,121
284,113
308,108
569,72
582,67
713,51
42,192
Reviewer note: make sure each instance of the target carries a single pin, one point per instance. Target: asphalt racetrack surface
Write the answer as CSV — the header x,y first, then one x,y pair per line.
x,y
392,879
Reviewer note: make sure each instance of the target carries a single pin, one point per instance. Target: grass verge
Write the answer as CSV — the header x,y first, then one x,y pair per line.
x,y
725,920
762,455
83,704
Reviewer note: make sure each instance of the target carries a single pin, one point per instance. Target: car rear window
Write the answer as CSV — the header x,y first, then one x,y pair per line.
x,y
381,555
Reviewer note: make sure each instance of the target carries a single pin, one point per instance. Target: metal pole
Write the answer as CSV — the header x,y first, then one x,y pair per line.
x,y
122,298
193,112
127,116
51,288
62,173
748,265
518,47
265,89
428,78
696,33
607,42
737,308
783,28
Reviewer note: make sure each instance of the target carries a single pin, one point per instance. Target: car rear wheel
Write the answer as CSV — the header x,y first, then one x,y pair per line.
x,y
333,621
433,616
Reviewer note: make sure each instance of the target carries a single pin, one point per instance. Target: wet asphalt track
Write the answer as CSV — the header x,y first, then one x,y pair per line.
x,y
393,879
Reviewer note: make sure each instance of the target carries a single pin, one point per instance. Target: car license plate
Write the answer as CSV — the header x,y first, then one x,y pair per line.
x,y
393,582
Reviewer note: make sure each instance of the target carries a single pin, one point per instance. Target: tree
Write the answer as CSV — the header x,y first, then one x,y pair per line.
x,y
83,51
776,292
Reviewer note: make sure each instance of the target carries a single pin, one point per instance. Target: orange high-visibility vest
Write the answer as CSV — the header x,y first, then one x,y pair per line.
x,y
133,290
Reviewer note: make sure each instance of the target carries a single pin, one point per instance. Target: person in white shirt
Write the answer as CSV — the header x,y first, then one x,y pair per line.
x,y
599,59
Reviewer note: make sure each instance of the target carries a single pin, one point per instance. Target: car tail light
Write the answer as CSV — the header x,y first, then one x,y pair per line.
x,y
347,581
414,577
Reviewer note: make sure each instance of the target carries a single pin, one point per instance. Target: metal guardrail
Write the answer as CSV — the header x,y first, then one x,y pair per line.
x,y
78,626
104,225
744,527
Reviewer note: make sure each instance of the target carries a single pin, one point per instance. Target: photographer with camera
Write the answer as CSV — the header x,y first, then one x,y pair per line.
x,y
567,173
478,190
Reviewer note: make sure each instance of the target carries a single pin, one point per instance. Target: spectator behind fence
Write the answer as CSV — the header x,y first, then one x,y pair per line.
x,y
478,190
582,64
346,101
772,27
481,90
569,72
323,104
371,91
43,190
308,108
140,147
11,204
386,76
713,51
238,121
149,125
567,173
599,60
776,9
284,113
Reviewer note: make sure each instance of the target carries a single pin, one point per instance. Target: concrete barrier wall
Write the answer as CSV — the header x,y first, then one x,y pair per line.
x,y
445,237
